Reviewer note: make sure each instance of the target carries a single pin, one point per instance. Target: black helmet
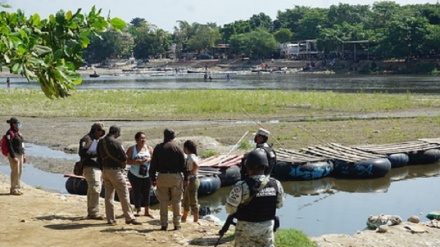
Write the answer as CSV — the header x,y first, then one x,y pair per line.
x,y
257,158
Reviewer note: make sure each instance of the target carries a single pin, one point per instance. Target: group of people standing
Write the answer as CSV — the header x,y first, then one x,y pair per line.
x,y
174,170
168,166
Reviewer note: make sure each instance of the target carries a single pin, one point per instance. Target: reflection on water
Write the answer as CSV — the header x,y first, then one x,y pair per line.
x,y
38,178
323,206
316,82
45,152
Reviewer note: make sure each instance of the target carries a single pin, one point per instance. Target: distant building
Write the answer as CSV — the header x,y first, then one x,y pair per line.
x,y
299,50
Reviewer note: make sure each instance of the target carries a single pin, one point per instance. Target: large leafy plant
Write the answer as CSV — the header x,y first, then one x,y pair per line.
x,y
50,50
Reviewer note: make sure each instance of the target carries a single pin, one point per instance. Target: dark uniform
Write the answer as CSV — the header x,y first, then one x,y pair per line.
x,y
169,162
254,201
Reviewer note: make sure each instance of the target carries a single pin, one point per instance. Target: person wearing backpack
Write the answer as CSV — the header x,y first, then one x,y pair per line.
x,y
16,155
91,168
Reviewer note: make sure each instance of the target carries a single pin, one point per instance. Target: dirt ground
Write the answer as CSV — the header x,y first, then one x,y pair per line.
x,y
44,218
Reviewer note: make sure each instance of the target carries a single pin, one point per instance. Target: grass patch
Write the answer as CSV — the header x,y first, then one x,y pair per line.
x,y
208,153
292,238
202,104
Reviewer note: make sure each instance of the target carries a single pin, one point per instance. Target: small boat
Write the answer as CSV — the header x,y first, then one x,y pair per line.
x,y
194,71
94,75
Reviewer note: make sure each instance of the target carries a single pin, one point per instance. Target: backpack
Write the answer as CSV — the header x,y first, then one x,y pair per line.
x,y
4,145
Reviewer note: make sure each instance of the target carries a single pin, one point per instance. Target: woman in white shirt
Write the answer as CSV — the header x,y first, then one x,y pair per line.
x,y
190,200
139,157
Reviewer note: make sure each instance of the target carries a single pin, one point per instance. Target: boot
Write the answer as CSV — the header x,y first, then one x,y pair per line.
x,y
184,216
196,217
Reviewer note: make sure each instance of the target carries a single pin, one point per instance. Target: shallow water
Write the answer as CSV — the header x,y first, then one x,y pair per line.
x,y
300,82
316,207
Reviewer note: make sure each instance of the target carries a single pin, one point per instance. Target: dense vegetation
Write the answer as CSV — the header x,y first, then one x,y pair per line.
x,y
392,31
50,50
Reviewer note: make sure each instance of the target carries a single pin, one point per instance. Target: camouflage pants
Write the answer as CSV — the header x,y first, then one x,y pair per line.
x,y
254,234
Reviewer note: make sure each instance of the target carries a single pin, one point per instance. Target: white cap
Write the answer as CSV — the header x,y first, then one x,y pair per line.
x,y
263,132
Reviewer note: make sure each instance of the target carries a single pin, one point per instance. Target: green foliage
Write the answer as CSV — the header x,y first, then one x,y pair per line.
x,y
245,145
256,44
283,35
203,38
292,238
50,50
208,153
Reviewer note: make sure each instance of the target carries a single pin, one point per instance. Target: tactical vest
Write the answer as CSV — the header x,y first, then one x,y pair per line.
x,y
262,207
271,157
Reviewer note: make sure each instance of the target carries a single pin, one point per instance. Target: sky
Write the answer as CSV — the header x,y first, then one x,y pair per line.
x,y
165,13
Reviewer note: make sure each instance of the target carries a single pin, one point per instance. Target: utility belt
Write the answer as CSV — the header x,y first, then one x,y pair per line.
x,y
111,168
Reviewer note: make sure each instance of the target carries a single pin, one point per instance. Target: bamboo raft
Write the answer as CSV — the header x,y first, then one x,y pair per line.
x,y
222,161
334,151
296,156
404,147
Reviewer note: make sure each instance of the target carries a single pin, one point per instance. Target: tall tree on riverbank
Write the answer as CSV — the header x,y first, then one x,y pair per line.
x,y
50,50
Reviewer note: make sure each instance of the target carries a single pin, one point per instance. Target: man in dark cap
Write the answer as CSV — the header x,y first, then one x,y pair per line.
x,y
112,157
16,156
169,162
92,170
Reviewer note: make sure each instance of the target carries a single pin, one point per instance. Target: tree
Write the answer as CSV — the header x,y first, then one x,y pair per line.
x,y
283,35
261,21
50,50
181,36
257,44
110,44
405,38
204,37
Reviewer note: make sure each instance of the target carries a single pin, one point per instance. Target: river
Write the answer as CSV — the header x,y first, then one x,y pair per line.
x,y
275,81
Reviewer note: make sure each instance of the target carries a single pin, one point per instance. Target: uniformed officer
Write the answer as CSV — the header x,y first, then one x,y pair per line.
x,y
260,139
254,202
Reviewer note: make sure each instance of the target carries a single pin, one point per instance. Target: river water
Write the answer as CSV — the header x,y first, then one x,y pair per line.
x,y
275,81
315,207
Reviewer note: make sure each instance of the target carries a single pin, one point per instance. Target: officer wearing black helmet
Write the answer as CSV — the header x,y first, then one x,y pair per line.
x,y
254,202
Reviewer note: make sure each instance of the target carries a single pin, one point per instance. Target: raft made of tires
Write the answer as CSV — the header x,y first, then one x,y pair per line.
x,y
229,175
209,184
398,159
370,168
429,156
76,185
284,170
